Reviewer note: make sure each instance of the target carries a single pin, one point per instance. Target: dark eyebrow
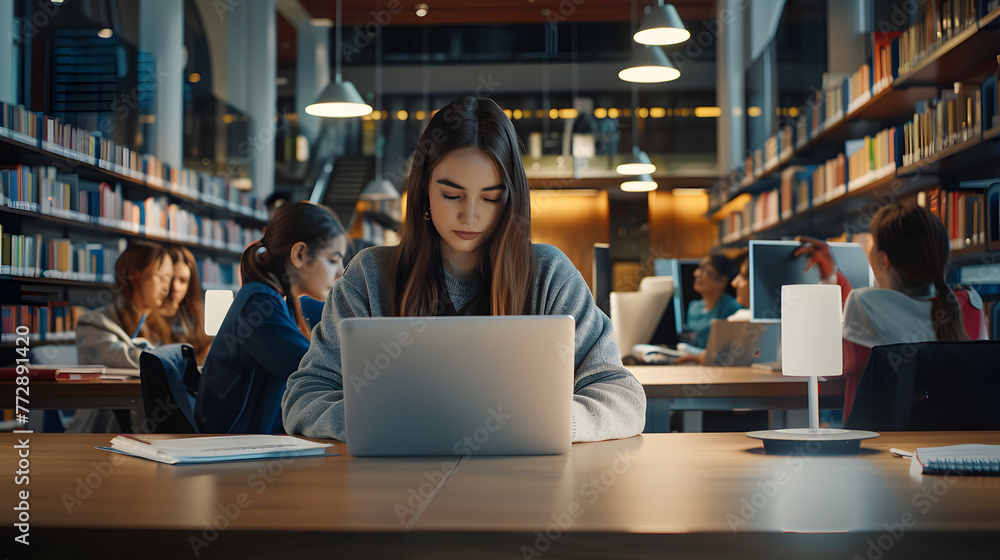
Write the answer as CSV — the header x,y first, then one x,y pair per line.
x,y
499,187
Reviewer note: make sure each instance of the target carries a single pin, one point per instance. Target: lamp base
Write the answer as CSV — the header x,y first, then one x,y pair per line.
x,y
812,441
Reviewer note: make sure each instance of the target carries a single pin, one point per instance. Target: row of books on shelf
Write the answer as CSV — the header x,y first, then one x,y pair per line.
x,y
956,115
964,214
213,273
38,256
41,190
52,135
802,187
953,117
937,21
54,321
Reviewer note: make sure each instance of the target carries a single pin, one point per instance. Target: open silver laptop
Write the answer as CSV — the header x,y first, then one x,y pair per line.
x,y
741,343
458,385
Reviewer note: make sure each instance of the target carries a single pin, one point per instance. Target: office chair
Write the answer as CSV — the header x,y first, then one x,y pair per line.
x,y
995,327
929,386
169,376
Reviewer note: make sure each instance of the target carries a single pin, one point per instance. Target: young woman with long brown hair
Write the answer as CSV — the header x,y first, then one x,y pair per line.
x,y
181,318
116,334
908,253
264,334
466,249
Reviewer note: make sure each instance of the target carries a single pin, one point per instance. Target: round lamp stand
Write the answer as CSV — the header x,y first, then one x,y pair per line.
x,y
812,441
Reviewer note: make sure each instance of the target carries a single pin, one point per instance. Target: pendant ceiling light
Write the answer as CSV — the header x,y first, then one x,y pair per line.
x,y
642,183
378,188
638,163
649,65
340,98
661,26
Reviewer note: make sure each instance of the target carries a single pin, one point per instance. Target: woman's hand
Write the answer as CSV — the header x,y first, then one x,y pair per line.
x,y
818,254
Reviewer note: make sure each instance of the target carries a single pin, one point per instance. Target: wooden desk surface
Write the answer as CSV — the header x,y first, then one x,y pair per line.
x,y
710,495
92,393
724,382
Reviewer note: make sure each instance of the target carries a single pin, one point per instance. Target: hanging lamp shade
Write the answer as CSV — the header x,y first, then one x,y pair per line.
x,y
642,183
638,163
379,189
661,26
339,99
649,65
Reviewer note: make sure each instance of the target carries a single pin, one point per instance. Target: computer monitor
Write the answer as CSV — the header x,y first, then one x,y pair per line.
x,y
602,277
682,271
634,315
773,266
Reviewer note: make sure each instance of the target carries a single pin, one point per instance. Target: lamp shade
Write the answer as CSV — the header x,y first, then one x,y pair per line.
x,y
642,183
379,189
661,26
649,65
638,163
811,330
339,99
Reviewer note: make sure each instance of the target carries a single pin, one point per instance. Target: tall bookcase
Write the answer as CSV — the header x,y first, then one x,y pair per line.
x,y
71,202
772,197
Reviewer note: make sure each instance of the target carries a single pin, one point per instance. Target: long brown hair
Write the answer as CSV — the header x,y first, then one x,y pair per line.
x,y
916,243
138,256
508,268
268,261
190,311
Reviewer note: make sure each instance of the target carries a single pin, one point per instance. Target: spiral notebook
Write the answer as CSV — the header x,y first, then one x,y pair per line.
x,y
964,460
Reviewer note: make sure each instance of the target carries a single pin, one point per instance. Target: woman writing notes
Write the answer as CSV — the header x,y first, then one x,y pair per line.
x,y
465,249
116,334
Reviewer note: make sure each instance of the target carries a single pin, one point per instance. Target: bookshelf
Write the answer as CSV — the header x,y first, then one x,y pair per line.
x,y
64,224
966,55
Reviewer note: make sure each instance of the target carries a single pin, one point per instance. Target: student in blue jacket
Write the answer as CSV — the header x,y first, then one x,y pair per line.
x,y
264,334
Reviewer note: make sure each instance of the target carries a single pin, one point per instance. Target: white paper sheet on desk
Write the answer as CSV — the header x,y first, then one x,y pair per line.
x,y
215,448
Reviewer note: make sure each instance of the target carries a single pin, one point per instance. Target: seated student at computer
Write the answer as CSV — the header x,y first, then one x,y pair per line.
x,y
116,334
264,334
466,249
181,318
741,283
711,281
908,254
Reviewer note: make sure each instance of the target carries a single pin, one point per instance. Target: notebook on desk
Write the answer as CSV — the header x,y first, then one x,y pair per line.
x,y
458,385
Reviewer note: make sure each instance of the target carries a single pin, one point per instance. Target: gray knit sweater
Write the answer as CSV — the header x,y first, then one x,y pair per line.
x,y
608,402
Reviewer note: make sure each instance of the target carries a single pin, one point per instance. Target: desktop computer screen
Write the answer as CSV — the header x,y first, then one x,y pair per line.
x,y
602,277
682,271
772,266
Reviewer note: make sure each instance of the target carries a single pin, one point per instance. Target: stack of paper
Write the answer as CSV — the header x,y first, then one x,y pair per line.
x,y
215,448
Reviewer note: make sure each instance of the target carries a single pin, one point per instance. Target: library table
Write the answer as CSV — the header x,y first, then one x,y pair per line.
x,y
121,394
656,495
693,389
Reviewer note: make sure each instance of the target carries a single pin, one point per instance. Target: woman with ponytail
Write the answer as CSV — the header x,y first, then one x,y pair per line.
x,y
264,334
465,249
908,253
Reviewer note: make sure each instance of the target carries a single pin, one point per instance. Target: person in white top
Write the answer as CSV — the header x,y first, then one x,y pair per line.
x,y
908,253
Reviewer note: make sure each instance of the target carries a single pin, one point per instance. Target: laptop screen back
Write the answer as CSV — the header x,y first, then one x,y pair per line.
x,y
458,385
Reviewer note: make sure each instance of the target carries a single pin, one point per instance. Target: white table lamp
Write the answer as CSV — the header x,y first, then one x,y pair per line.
x,y
812,346
217,304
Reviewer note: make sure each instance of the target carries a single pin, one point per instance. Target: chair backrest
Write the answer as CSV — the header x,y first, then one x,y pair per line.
x,y
929,386
169,377
995,327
